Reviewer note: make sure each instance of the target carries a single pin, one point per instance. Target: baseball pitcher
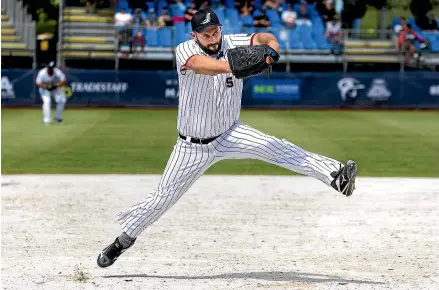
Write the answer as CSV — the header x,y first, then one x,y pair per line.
x,y
49,82
211,68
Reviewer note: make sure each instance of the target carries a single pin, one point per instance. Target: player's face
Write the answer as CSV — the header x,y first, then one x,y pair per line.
x,y
209,40
50,71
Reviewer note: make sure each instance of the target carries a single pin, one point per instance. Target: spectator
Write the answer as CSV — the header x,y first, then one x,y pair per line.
x,y
289,17
239,5
398,28
138,41
177,11
406,42
190,11
151,19
326,10
261,20
179,3
271,4
138,19
122,19
164,18
333,32
246,17
90,6
303,17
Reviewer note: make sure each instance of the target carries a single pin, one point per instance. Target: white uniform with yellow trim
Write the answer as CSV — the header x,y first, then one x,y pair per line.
x,y
209,107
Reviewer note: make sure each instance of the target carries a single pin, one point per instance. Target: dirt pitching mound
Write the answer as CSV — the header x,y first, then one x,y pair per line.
x,y
226,232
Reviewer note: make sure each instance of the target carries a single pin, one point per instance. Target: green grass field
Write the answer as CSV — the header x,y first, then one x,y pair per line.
x,y
140,141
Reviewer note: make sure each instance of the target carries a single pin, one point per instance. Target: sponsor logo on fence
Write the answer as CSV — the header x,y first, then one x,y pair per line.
x,y
278,89
379,91
171,90
99,87
434,91
7,89
349,88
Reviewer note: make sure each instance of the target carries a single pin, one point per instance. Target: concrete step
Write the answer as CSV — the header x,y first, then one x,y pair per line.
x,y
82,11
8,31
370,51
368,43
91,33
6,24
88,46
88,54
90,25
372,58
10,38
13,45
15,52
89,39
91,19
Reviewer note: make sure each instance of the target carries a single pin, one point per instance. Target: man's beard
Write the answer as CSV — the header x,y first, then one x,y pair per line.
x,y
211,49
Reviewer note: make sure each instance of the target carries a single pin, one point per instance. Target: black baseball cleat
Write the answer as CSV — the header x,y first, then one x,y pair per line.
x,y
344,179
110,254
59,120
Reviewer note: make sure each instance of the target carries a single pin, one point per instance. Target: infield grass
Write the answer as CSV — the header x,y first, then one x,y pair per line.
x,y
93,141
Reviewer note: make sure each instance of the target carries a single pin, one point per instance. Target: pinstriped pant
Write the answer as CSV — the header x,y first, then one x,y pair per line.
x,y
189,161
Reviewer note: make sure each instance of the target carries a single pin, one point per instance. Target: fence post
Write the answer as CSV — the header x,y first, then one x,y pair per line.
x,y
116,49
59,58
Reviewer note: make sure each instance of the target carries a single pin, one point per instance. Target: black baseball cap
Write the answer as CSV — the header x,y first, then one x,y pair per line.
x,y
203,19
51,65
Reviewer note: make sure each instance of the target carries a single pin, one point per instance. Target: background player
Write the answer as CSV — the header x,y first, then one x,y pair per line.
x,y
210,130
49,81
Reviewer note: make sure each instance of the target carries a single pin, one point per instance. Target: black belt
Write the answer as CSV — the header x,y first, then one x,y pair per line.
x,y
196,140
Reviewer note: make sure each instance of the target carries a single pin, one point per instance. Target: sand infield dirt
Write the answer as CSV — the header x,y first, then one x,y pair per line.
x,y
227,232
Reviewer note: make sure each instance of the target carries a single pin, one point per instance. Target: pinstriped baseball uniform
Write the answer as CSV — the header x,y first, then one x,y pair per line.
x,y
214,101
209,107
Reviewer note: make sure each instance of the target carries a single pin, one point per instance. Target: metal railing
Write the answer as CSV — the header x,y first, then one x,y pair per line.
x,y
381,45
22,22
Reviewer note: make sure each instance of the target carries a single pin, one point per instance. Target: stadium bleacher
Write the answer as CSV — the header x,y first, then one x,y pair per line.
x,y
94,35
87,35
301,40
17,30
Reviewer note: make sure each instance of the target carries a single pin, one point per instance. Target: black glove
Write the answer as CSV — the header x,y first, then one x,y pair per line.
x,y
247,61
51,87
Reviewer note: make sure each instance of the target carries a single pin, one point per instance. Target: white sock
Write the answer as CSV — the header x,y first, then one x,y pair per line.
x,y
59,110
46,112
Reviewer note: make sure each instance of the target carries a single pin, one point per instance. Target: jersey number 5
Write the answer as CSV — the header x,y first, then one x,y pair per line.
x,y
229,82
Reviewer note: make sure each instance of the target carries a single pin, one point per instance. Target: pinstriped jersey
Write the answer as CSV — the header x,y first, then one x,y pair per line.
x,y
208,105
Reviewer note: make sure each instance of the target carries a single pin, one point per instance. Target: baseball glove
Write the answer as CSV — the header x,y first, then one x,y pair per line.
x,y
51,87
247,61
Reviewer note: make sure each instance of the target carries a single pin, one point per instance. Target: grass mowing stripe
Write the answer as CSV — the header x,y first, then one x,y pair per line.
x,y
408,147
140,141
32,146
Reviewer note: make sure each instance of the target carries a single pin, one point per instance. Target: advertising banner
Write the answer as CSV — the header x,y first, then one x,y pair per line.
x,y
17,89
280,90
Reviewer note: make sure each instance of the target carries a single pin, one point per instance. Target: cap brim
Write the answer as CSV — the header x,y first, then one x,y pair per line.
x,y
201,29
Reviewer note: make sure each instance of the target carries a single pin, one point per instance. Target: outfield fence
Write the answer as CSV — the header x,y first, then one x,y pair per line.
x,y
281,90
